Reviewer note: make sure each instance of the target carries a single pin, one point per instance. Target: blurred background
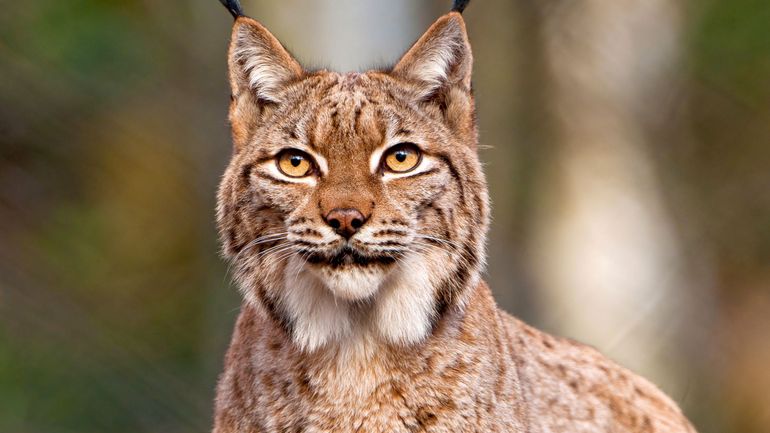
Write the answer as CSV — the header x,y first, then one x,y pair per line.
x,y
627,146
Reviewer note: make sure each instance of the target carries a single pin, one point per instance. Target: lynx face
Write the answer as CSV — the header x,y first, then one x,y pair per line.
x,y
354,203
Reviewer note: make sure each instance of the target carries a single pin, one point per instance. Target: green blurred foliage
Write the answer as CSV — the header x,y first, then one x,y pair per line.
x,y
104,322
730,57
731,47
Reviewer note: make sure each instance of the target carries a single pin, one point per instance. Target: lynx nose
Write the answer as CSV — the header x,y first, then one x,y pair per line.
x,y
345,222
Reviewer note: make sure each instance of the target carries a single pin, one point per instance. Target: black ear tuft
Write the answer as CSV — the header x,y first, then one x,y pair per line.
x,y
234,6
460,5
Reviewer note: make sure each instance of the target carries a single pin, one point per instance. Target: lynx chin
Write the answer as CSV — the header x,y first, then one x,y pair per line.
x,y
354,214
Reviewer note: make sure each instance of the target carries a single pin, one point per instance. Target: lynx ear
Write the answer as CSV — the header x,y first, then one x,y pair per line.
x,y
258,63
440,58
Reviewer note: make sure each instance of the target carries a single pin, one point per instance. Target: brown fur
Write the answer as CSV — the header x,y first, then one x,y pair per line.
x,y
407,338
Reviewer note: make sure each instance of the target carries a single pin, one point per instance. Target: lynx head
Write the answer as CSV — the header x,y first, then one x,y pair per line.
x,y
354,204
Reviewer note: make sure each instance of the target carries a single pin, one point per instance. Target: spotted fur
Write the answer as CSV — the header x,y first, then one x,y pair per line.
x,y
392,330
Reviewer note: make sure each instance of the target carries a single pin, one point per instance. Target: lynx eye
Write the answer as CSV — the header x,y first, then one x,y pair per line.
x,y
294,163
402,158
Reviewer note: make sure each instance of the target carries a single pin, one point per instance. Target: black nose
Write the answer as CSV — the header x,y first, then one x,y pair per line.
x,y
345,222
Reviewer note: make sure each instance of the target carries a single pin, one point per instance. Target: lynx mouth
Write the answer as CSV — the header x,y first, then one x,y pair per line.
x,y
348,256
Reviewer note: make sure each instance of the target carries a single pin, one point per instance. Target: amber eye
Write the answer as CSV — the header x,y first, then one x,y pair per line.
x,y
402,158
294,163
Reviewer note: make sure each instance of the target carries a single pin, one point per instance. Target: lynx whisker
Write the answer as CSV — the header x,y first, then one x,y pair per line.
x,y
440,240
251,244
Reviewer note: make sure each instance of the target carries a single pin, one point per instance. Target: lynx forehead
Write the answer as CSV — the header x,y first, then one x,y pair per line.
x,y
354,213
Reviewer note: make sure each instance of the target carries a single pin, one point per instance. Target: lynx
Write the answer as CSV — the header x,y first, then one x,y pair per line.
x,y
354,214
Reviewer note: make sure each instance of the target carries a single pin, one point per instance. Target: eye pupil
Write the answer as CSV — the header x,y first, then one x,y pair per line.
x,y
294,163
402,158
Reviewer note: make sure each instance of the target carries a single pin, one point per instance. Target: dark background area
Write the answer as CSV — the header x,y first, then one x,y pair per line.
x,y
627,148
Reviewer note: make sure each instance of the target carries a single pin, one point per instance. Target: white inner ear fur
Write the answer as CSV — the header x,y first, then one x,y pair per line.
x,y
440,58
433,68
265,72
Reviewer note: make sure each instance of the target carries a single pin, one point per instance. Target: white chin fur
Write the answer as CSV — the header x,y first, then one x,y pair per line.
x,y
351,283
352,306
